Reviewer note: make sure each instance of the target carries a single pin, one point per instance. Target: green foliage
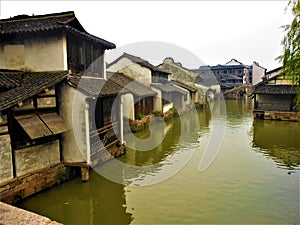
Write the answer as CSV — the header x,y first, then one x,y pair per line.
x,y
291,51
61,177
156,113
175,113
140,116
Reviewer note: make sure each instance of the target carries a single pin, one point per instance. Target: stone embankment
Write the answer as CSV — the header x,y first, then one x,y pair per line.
x,y
10,215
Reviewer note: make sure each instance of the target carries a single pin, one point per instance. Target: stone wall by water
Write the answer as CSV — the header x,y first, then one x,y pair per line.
x,y
36,157
33,182
6,168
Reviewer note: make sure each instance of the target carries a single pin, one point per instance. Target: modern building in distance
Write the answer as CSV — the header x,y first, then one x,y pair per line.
x,y
232,74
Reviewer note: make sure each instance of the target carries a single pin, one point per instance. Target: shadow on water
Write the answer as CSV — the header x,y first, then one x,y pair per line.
x,y
278,140
98,201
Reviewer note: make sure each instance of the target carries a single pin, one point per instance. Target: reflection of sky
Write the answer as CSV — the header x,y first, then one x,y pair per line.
x,y
278,140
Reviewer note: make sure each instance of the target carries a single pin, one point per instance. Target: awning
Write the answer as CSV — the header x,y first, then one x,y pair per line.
x,y
54,122
41,125
33,126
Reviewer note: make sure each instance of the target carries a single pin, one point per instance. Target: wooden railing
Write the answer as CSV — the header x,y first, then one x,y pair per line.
x,y
103,137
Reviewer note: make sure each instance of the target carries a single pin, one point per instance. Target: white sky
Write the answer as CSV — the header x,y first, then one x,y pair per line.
x,y
215,31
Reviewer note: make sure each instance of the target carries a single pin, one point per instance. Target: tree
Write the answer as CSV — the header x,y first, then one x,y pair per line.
x,y
291,51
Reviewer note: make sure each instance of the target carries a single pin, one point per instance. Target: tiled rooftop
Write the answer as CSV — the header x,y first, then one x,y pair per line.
x,y
65,21
130,84
27,85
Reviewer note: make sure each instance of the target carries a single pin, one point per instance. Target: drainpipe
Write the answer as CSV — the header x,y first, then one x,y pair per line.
x,y
104,66
121,120
87,133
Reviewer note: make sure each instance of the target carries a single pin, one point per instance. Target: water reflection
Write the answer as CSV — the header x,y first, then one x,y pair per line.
x,y
181,135
278,140
237,111
96,202
241,186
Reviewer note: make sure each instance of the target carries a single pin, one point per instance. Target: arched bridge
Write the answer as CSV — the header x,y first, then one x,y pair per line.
x,y
235,92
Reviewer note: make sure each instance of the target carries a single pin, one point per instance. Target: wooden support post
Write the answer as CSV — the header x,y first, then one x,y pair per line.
x,y
84,167
85,174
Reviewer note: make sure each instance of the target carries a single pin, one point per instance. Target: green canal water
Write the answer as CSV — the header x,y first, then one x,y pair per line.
x,y
253,180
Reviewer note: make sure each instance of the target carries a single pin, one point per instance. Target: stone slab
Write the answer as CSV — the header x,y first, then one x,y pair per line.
x,y
10,215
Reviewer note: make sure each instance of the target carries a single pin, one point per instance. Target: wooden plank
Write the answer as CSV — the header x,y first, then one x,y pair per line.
x,y
33,126
54,122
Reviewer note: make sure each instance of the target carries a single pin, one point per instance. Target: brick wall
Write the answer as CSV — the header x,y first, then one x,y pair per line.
x,y
21,187
285,116
6,170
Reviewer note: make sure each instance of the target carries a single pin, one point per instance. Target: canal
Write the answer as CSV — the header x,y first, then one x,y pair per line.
x,y
254,179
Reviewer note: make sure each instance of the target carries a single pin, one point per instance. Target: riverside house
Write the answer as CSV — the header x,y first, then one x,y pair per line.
x,y
186,79
55,103
167,97
275,98
31,130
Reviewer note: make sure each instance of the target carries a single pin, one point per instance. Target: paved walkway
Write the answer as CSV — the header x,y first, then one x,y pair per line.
x,y
10,215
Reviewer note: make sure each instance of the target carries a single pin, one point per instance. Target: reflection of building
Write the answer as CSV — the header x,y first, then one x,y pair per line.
x,y
275,98
99,201
280,140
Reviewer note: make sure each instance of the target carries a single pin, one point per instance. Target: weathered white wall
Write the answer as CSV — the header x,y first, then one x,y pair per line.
x,y
36,157
157,100
35,54
128,106
74,148
6,167
183,102
167,107
199,96
133,70
257,73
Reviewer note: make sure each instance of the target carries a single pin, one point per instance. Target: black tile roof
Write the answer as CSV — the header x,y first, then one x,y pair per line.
x,y
29,84
188,87
274,70
130,84
115,84
64,21
140,61
207,79
95,87
274,89
168,88
8,79
224,67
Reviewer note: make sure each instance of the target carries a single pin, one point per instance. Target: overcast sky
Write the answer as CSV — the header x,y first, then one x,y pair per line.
x,y
214,31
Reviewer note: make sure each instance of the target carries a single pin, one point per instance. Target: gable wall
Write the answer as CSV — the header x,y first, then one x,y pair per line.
x,y
133,70
34,54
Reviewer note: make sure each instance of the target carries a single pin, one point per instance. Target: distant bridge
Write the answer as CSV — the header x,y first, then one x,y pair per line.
x,y
235,92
